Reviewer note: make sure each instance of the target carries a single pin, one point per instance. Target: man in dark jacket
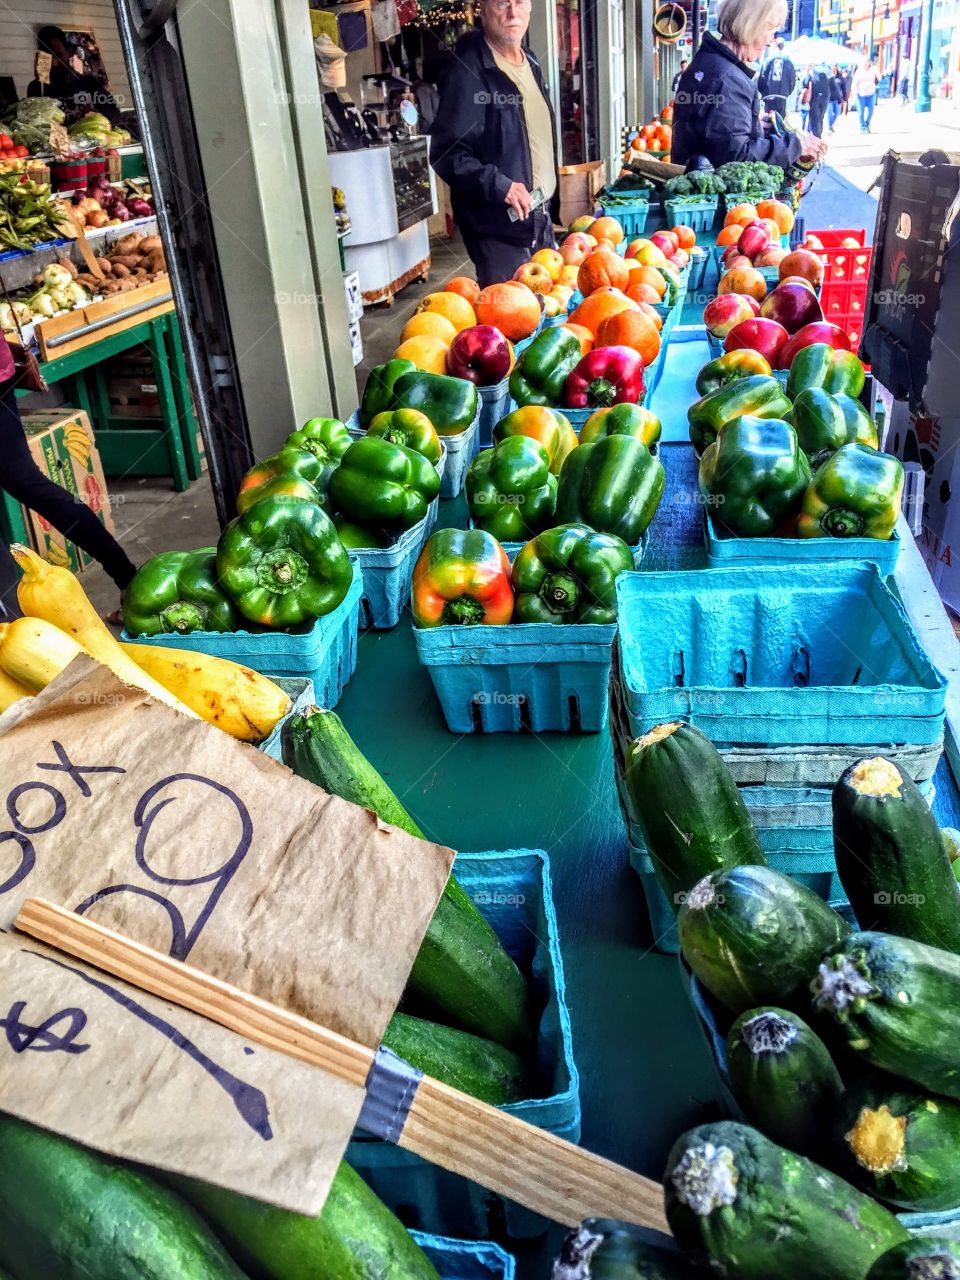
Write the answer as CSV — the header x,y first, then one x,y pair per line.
x,y
819,98
717,110
778,79
493,143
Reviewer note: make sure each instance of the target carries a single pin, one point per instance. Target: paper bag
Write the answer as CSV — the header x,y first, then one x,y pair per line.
x,y
169,831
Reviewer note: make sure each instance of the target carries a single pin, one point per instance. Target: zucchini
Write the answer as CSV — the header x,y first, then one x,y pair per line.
x,y
783,1077
891,856
462,971
754,937
922,1258
951,842
467,1062
898,1003
752,1210
602,1249
72,1214
688,807
900,1144
355,1237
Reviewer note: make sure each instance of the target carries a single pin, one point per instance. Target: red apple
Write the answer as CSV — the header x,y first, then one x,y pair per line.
x,y
765,336
771,257
480,354
738,260
793,306
666,242
802,262
730,252
799,280
753,240
723,313
818,331
678,261
682,255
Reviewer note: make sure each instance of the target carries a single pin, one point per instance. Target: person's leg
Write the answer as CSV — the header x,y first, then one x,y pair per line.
x,y
870,103
494,260
23,480
862,112
816,119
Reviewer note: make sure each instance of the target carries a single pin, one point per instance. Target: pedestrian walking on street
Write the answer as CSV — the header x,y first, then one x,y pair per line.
x,y
819,101
865,83
905,86
806,90
778,79
836,97
847,76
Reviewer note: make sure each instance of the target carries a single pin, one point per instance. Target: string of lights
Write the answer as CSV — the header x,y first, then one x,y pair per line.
x,y
443,14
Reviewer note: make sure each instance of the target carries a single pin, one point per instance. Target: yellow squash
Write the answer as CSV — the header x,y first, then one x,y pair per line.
x,y
236,699
33,651
11,691
54,594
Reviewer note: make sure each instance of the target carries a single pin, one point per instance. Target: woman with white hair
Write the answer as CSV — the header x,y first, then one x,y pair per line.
x,y
718,110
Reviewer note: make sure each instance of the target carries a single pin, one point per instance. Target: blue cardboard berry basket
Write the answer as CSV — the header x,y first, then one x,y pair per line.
x,y
728,551
324,652
494,405
514,891
714,1023
776,654
466,1259
698,214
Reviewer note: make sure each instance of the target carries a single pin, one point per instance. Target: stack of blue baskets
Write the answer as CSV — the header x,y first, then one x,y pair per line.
x,y
794,674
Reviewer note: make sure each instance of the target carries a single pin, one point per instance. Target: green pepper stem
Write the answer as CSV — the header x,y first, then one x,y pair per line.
x,y
560,592
282,570
182,616
839,522
462,612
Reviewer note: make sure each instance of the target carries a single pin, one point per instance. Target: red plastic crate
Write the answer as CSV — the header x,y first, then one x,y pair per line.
x,y
846,275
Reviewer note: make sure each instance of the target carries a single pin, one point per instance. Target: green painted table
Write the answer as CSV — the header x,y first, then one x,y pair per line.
x,y
644,1072
128,446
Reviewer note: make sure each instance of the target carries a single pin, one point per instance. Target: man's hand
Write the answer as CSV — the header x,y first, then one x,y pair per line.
x,y
519,199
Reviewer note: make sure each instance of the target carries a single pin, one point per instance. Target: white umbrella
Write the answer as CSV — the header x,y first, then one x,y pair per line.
x,y
816,51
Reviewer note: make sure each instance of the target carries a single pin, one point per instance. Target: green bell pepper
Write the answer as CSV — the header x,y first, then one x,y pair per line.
x,y
861,428
383,484
282,563
451,404
291,469
569,574
510,491
408,427
356,537
821,365
327,439
730,367
757,395
539,375
379,391
614,486
622,420
286,485
855,494
178,591
753,477
822,425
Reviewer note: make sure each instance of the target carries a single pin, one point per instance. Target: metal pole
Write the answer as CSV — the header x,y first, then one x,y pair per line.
x,y
795,20
873,18
695,28
923,103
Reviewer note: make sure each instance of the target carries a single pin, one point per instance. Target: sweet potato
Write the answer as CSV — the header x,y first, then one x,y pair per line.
x,y
68,266
128,243
105,265
150,244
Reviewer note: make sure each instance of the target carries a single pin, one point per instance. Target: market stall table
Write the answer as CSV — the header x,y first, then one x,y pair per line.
x,y
163,446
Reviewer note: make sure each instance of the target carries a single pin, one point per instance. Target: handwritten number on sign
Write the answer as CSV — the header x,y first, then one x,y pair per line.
x,y
23,1038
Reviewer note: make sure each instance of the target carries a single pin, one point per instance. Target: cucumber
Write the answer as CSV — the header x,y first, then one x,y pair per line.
x,y
922,1258
891,856
688,807
754,1211
462,971
355,1237
900,1144
951,842
898,1003
784,1079
68,1213
754,937
467,1062
602,1249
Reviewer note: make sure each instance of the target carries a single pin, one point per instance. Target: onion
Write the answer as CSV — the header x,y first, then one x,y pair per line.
x,y
139,207
120,211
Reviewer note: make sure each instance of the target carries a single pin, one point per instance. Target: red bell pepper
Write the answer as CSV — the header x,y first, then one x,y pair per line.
x,y
816,331
605,376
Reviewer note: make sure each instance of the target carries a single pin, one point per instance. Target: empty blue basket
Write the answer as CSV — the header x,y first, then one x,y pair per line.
x,y
728,551
466,1259
514,891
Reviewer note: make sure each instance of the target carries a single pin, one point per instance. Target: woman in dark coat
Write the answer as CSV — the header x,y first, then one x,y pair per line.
x,y
717,109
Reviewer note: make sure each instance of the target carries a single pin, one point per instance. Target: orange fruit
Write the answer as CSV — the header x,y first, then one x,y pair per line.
x,y
463,285
599,305
641,292
742,213
630,329
582,335
602,269
607,229
781,214
510,307
686,236
652,277
452,305
426,352
430,324
729,234
652,314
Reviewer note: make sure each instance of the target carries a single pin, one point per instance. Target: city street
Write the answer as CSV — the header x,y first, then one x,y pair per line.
x,y
857,156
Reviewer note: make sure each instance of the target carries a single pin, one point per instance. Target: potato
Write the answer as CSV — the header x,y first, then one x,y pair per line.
x,y
150,244
128,243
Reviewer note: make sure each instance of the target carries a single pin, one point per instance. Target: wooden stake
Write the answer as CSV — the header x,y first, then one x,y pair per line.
x,y
508,1156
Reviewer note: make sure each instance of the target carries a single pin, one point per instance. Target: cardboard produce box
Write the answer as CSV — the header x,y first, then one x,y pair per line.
x,y
62,445
580,184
